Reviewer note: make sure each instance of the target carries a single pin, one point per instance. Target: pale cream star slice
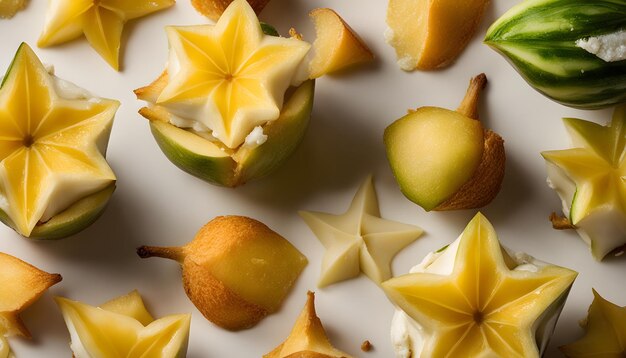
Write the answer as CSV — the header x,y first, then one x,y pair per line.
x,y
359,240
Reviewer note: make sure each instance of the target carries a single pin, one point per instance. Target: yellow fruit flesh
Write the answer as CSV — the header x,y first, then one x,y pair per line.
x,y
483,307
114,331
49,154
261,271
22,284
101,21
433,152
336,45
8,8
430,34
229,77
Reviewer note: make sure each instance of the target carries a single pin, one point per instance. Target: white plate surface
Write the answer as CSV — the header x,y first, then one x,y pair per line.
x,y
157,204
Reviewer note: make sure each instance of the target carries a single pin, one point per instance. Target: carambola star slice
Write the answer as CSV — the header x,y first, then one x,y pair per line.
x,y
101,21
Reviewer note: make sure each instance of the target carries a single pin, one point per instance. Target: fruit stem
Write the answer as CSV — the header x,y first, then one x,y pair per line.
x,y
560,222
469,105
173,253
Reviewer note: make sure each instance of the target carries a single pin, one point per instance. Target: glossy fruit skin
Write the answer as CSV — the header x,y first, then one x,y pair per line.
x,y
538,37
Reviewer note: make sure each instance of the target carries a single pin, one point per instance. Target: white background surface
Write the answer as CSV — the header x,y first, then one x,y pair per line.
x,y
158,204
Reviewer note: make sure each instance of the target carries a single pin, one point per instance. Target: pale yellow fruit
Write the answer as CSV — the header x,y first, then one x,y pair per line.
x,y
307,338
337,46
236,270
430,34
446,160
8,9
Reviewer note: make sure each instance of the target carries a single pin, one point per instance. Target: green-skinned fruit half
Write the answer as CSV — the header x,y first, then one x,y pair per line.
x,y
218,165
446,160
545,41
54,178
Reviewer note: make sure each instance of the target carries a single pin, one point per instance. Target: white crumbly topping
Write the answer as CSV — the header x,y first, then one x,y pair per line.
x,y
255,138
609,47
407,335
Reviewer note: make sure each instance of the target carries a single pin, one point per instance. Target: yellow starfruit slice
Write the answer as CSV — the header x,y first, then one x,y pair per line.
x,y
307,338
123,328
101,21
359,240
590,179
228,78
605,335
53,137
483,307
21,285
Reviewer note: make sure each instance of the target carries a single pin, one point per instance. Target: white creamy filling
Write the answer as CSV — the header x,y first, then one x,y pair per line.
x,y
407,335
255,138
609,47
603,229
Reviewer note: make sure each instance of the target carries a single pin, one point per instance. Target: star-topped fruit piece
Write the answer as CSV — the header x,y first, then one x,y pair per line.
x,y
605,331
123,328
359,240
591,181
484,307
307,338
230,77
53,136
22,284
101,21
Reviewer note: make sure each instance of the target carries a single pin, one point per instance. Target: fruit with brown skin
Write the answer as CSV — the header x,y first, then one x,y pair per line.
x,y
337,46
236,270
446,160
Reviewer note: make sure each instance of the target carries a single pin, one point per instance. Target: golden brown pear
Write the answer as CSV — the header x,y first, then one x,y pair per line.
x,y
236,270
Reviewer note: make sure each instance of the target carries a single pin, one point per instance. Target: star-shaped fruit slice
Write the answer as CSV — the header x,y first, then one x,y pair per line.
x,y
483,308
307,338
123,328
230,77
359,240
54,178
591,181
21,285
605,332
101,21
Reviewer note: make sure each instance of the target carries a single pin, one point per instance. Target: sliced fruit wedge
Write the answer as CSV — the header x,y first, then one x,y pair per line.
x,y
22,284
123,328
101,21
307,338
53,138
337,46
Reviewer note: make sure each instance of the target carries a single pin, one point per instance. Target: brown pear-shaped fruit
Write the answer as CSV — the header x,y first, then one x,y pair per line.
x,y
236,270
21,284
307,338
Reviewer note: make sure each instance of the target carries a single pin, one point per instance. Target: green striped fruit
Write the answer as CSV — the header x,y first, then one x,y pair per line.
x,y
539,38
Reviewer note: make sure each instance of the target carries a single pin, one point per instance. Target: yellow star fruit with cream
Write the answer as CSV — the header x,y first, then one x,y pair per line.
x,y
54,179
101,21
590,179
605,335
359,240
484,307
222,110
123,328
